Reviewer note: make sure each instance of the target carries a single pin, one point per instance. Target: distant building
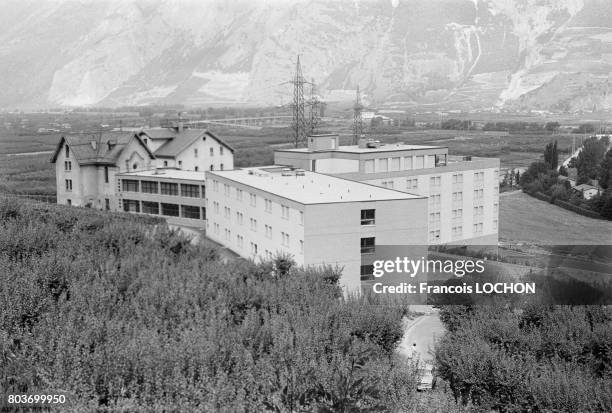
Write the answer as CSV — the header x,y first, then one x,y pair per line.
x,y
587,191
463,191
318,219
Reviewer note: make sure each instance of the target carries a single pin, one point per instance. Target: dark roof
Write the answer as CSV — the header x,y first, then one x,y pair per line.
x,y
182,141
103,153
159,133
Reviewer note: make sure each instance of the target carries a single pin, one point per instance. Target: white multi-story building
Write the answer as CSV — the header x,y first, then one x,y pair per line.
x,y
316,218
463,191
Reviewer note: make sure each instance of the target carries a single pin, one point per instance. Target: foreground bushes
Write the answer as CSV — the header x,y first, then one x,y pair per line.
x,y
120,315
538,359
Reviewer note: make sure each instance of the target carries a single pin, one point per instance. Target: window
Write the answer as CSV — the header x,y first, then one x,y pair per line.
x,y
419,162
383,165
226,190
216,186
203,213
239,218
220,150
106,174
170,210
301,247
240,241
165,163
69,202
180,164
434,200
478,228
190,211
431,161
227,212
212,167
268,231
228,234
434,235
68,166
131,205
203,191
408,162
387,184
395,164
221,166
435,181
457,213
212,152
197,168
68,185
253,224
239,194
457,231
168,188
130,185
135,166
367,272
191,191
253,199
412,183
368,216
195,152
301,217
457,196
107,204
149,187
434,218
495,208
253,248
216,207
67,151
368,166
285,212
367,245
284,239
457,178
150,207
478,194
268,205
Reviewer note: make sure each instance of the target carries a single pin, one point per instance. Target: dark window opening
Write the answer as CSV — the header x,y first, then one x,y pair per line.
x,y
189,211
169,188
149,187
131,205
171,210
368,216
367,272
191,191
129,185
368,245
150,207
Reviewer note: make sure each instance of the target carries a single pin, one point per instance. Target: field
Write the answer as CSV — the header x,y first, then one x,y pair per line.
x,y
527,219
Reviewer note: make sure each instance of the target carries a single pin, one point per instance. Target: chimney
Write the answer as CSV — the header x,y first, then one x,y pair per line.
x,y
180,126
362,143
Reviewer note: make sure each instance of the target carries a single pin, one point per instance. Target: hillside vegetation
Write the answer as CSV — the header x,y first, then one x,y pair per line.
x,y
121,313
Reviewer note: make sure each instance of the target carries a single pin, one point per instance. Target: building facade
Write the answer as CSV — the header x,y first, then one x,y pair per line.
x,y
462,191
176,195
316,218
86,167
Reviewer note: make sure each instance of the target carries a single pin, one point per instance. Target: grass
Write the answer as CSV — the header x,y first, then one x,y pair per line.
x,y
527,219
31,174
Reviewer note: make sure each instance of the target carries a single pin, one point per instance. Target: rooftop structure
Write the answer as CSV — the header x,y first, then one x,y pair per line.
x,y
308,187
168,173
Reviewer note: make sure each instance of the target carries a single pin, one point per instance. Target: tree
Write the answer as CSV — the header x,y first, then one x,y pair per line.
x,y
552,126
589,159
584,128
551,157
605,171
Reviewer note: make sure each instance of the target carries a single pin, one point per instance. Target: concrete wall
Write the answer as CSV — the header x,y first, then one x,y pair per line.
x,y
334,231
266,243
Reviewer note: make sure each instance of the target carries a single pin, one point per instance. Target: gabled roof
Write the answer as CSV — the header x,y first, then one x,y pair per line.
x,y
183,140
103,153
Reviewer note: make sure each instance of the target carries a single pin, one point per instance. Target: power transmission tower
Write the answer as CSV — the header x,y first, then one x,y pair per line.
x,y
357,121
315,106
300,130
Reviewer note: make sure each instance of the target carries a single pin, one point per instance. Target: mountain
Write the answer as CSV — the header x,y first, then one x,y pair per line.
x,y
461,54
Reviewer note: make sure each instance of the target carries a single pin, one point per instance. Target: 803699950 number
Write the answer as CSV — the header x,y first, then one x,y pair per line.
x,y
36,399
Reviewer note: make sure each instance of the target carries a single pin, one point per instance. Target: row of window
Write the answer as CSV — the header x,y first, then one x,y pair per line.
x,y
395,164
239,215
164,188
285,240
212,151
161,208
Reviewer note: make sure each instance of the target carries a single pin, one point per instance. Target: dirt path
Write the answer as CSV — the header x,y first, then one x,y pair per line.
x,y
420,334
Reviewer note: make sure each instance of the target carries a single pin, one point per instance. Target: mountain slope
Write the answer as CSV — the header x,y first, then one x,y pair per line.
x,y
467,54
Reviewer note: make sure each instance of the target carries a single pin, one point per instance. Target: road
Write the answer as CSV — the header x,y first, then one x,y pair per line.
x,y
420,334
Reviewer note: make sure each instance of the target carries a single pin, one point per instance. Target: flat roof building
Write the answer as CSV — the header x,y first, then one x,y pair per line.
x,y
318,219
463,191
